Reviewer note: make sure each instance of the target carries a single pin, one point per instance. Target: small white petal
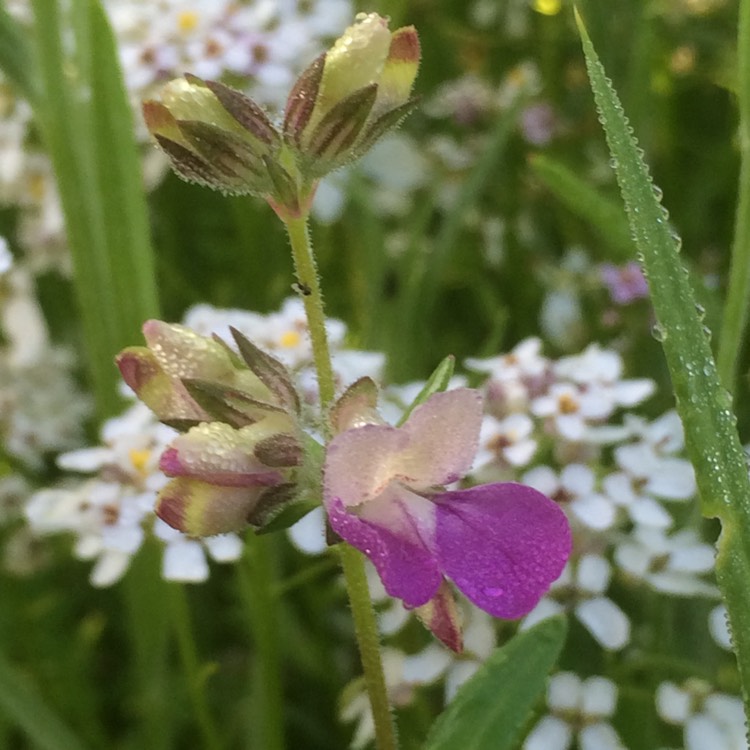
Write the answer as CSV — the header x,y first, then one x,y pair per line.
x,y
427,665
109,568
606,622
632,392
308,534
649,512
673,703
564,692
672,479
459,673
593,573
577,479
681,584
85,460
224,547
702,732
550,733
546,608
697,558
594,511
184,561
719,628
599,697
599,737
521,453
571,426
542,478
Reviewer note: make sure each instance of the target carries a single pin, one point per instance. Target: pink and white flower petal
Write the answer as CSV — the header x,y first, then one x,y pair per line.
x,y
502,545
200,509
220,454
406,566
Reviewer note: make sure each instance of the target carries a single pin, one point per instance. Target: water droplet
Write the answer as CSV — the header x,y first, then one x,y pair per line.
x,y
707,332
658,332
657,191
700,310
492,591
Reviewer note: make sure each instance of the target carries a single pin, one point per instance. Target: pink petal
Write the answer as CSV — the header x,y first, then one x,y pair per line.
x,y
361,462
502,545
407,568
219,454
444,437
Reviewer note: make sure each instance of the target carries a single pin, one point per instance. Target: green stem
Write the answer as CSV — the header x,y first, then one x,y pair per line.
x,y
366,629
194,674
256,574
309,283
352,563
738,295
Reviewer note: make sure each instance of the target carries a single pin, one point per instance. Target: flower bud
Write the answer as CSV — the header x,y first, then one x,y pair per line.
x,y
214,135
351,95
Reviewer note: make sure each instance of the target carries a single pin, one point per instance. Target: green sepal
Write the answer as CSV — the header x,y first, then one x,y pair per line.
x,y
437,382
357,405
301,100
335,135
272,373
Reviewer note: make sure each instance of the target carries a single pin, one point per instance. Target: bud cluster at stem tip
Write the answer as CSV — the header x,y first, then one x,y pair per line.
x,y
340,105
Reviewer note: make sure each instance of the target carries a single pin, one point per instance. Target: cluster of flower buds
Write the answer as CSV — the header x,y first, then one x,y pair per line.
x,y
237,459
345,100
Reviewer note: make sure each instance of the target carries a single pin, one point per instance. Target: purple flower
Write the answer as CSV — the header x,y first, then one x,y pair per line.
x,y
501,544
625,283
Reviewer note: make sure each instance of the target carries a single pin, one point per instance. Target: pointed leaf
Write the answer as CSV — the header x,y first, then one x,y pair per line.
x,y
437,382
490,710
704,406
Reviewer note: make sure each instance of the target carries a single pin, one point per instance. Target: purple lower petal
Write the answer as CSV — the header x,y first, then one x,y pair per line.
x,y
408,570
502,545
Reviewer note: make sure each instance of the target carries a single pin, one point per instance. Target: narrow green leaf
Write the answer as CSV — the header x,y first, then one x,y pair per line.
x,y
437,382
703,404
24,707
86,123
737,310
606,217
490,710
16,56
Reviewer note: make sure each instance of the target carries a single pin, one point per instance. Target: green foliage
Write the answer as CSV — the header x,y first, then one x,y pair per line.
x,y
491,709
87,124
704,405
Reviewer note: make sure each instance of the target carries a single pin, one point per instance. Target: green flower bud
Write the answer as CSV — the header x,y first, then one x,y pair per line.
x,y
349,96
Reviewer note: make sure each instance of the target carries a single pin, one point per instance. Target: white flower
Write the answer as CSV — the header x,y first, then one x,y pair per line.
x,y
581,588
569,409
185,559
578,709
575,491
6,257
709,719
505,441
672,564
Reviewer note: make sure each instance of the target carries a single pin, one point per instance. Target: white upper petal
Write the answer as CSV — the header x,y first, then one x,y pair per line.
x,y
606,622
550,733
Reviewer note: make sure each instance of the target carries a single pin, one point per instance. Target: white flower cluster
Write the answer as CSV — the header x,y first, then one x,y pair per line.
x,y
567,428
110,513
261,45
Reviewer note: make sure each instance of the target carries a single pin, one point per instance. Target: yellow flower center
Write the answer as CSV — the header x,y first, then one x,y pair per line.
x,y
139,459
290,339
187,20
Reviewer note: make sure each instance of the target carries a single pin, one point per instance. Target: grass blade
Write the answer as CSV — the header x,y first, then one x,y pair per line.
x,y
703,404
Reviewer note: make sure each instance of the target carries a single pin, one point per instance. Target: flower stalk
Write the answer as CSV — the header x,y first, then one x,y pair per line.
x,y
352,562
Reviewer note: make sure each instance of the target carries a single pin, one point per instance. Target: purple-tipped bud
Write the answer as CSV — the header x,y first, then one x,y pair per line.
x,y
348,98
